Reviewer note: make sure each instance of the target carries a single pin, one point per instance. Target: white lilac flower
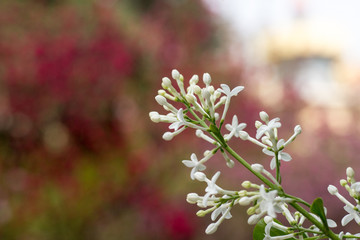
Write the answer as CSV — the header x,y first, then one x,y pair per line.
x,y
223,210
352,215
274,123
356,188
212,188
182,122
235,128
267,202
194,164
229,94
281,155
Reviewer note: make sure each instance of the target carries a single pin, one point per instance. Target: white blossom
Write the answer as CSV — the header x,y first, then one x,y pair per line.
x,y
229,93
194,164
223,210
212,188
274,123
235,128
267,202
352,215
281,155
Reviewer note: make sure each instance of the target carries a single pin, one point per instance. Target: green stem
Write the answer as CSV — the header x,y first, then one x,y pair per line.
x,y
318,224
278,176
248,166
296,199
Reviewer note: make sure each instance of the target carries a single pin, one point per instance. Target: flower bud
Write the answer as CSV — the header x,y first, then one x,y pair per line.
x,y
199,133
207,152
201,213
332,189
192,198
343,182
166,82
244,135
350,172
154,116
244,201
190,98
252,210
257,167
230,163
268,219
194,80
211,228
297,129
175,74
253,219
242,193
162,92
258,124
167,136
264,116
197,90
160,100
211,90
246,184
200,176
217,93
207,78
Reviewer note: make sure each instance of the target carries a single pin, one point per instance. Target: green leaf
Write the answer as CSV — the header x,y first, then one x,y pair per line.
x,y
259,231
317,207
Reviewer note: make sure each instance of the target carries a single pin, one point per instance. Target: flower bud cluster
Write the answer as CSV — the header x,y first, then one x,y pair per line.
x,y
296,229
353,188
200,103
217,201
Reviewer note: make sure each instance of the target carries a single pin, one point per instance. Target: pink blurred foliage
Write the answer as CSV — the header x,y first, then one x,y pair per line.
x,y
75,88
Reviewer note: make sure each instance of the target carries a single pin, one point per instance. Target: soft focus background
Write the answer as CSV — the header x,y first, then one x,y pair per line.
x,y
79,157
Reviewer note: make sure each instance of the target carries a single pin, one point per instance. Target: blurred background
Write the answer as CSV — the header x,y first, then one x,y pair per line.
x,y
79,157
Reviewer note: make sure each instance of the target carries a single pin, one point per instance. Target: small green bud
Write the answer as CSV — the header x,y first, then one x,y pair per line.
x,y
246,184
201,213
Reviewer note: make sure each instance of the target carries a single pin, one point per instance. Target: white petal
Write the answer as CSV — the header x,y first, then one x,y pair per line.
x,y
261,130
331,223
273,164
280,143
188,163
345,220
225,88
201,167
216,213
211,228
193,158
236,90
285,156
268,152
229,127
